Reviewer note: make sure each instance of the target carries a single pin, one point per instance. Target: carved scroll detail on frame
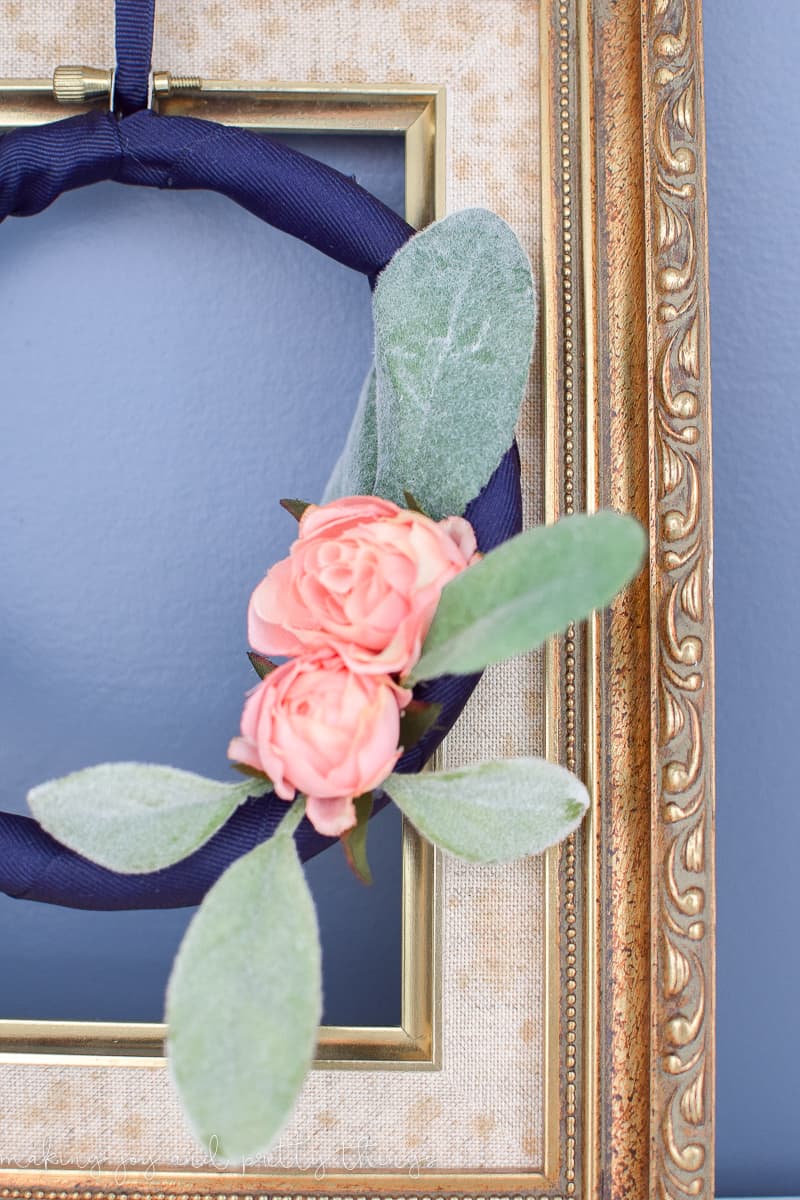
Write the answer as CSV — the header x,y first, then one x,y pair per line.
x,y
683,987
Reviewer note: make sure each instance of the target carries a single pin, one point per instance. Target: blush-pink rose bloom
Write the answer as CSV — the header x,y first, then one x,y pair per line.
x,y
314,726
363,578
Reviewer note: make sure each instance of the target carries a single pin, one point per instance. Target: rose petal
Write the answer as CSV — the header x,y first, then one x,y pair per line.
x,y
331,816
240,750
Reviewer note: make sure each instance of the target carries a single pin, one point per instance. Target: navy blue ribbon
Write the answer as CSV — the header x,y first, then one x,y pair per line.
x,y
312,202
134,44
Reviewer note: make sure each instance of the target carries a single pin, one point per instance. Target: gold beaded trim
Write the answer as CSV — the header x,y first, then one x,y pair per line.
x,y
569,644
20,1194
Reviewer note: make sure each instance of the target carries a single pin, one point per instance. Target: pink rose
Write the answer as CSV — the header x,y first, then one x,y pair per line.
x,y
314,726
363,578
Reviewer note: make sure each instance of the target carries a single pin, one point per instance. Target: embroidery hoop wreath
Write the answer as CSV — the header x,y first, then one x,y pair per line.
x,y
454,326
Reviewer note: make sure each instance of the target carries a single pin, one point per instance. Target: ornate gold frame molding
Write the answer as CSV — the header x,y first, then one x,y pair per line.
x,y
683,650
656,866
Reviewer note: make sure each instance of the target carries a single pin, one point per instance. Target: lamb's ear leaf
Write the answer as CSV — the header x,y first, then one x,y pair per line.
x,y
354,842
135,817
494,811
354,473
244,1002
529,588
454,321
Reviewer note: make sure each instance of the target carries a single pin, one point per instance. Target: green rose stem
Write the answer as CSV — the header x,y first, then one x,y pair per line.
x,y
354,842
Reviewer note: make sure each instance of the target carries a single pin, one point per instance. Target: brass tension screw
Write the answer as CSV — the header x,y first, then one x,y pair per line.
x,y
78,85
164,83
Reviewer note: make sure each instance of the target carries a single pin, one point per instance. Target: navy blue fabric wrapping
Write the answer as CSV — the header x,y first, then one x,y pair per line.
x,y
287,189
310,201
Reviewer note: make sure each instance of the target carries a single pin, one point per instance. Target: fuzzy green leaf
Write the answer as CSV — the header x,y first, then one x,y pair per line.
x,y
529,588
354,842
134,817
454,321
244,1002
354,473
495,811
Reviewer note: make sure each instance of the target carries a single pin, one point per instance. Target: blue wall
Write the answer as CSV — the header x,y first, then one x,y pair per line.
x,y
753,115
171,367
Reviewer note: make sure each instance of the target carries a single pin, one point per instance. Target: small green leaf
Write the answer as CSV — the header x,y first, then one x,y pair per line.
x,y
244,1002
295,507
454,321
354,473
354,842
133,817
416,720
495,811
252,772
261,665
529,588
412,504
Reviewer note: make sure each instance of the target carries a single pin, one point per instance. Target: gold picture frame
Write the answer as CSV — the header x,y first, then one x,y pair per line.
x,y
417,115
629,902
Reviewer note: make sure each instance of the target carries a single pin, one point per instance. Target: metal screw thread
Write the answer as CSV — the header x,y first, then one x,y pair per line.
x,y
185,83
